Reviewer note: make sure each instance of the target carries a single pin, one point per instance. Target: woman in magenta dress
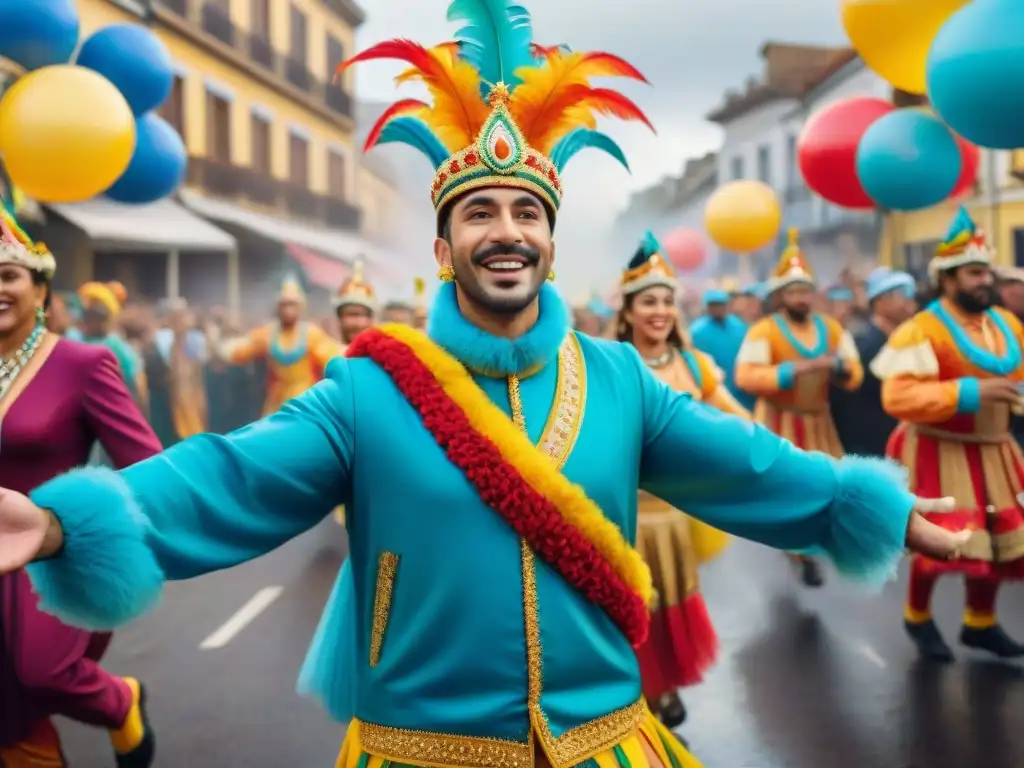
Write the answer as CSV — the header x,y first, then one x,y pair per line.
x,y
57,398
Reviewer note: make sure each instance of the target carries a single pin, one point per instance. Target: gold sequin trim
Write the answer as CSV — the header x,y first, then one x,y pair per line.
x,y
582,742
425,748
566,415
387,567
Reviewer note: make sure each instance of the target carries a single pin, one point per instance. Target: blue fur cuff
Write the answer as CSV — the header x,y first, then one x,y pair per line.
x,y
106,575
869,518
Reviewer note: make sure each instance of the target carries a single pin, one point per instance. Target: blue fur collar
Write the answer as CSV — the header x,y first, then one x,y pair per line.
x,y
483,352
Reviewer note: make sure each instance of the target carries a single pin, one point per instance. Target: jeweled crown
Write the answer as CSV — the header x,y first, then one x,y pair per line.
x,y
16,247
648,267
505,111
792,266
356,291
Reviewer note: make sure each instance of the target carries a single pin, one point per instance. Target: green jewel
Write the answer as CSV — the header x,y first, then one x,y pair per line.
x,y
501,146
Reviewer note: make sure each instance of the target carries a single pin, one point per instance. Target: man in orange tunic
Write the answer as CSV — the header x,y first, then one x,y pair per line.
x,y
951,374
788,361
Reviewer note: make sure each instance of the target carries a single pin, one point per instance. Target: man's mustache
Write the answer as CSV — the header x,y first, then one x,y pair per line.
x,y
532,255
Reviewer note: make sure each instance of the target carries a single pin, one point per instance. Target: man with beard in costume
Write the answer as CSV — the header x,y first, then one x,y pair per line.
x,y
789,359
952,375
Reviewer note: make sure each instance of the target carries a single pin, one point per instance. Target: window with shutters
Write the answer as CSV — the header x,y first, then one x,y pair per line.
x,y
261,145
299,35
218,128
173,110
335,54
337,186
298,161
260,18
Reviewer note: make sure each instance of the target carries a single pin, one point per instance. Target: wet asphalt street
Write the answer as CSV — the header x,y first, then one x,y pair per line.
x,y
821,679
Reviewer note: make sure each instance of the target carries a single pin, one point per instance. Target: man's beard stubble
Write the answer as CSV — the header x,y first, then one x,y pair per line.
x,y
977,301
797,314
502,305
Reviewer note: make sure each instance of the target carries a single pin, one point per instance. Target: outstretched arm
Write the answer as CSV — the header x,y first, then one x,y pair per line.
x,y
208,503
741,478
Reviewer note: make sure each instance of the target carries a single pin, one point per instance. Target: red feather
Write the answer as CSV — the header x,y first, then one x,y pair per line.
x,y
606,102
398,108
613,63
537,50
403,50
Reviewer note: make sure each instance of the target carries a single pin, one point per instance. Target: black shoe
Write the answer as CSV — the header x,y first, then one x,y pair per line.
x,y
929,641
810,573
671,710
142,756
992,639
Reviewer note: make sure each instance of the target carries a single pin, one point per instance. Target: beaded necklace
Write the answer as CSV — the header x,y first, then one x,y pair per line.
x,y
15,364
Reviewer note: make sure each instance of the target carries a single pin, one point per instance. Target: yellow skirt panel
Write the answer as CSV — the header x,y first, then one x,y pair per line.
x,y
652,746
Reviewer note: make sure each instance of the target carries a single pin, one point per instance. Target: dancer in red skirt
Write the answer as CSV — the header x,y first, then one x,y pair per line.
x,y
952,374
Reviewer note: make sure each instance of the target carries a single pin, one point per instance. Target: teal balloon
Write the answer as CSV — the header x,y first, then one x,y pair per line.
x,y
38,33
135,60
157,167
975,73
908,160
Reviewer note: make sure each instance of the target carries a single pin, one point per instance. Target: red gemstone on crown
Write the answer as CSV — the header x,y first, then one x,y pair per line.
x,y
502,150
443,177
454,166
472,159
531,160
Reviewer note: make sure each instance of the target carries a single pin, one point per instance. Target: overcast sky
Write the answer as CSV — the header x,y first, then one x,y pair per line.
x,y
690,50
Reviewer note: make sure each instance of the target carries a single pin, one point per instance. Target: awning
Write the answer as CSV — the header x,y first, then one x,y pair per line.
x,y
160,226
336,243
321,270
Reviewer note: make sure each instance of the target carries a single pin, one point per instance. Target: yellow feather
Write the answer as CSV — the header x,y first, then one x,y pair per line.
x,y
459,111
542,105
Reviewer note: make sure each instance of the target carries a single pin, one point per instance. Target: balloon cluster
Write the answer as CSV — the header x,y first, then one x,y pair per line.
x,y
70,132
967,57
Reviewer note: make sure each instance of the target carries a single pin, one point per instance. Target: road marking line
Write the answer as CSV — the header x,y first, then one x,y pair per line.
x,y
872,655
242,618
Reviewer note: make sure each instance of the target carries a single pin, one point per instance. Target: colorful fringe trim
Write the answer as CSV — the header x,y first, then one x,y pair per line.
x,y
681,647
562,526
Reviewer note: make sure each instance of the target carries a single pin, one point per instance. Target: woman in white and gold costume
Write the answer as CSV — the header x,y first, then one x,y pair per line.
x,y
682,644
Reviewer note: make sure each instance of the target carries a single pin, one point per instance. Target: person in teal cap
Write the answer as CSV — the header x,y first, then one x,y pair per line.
x,y
864,426
719,333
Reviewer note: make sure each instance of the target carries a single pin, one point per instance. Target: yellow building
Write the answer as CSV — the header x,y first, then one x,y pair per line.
x,y
274,177
997,205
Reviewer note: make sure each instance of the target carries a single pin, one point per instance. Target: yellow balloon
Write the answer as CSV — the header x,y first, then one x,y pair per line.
x,y
66,134
894,36
743,216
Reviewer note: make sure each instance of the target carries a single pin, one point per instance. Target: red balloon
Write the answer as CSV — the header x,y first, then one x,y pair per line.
x,y
827,149
686,248
971,157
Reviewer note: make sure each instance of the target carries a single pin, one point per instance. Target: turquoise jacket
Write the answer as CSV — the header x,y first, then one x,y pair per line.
x,y
450,673
722,340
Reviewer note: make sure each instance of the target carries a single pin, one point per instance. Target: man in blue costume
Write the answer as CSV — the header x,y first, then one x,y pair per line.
x,y
720,334
495,618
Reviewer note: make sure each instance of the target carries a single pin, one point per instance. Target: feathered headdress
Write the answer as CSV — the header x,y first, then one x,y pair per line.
x,y
792,267
647,268
965,243
16,247
291,290
356,291
505,112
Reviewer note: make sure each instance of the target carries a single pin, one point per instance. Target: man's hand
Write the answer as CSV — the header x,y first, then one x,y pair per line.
x,y
927,538
27,532
998,391
814,365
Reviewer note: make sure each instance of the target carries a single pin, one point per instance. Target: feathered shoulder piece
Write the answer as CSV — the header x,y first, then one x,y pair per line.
x,y
647,268
505,111
16,247
965,243
792,267
356,291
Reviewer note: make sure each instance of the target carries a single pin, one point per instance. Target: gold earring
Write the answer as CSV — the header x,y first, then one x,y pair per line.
x,y
551,275
446,274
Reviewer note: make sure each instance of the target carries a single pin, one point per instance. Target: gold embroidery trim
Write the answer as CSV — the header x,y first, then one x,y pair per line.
x,y
426,748
387,567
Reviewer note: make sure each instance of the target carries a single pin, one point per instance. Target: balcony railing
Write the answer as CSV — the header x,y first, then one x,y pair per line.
x,y
211,17
235,182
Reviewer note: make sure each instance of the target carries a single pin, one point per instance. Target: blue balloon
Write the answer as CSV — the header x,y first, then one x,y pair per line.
x,y
976,73
908,160
157,167
133,59
38,33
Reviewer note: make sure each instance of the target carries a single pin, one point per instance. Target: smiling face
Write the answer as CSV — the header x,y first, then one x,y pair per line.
x,y
498,241
653,313
20,297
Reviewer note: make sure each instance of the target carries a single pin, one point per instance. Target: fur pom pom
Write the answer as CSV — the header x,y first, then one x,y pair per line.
x,y
869,519
107,575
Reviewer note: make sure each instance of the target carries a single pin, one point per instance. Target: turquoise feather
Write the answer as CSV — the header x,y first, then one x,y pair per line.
x,y
495,39
650,244
582,138
414,132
